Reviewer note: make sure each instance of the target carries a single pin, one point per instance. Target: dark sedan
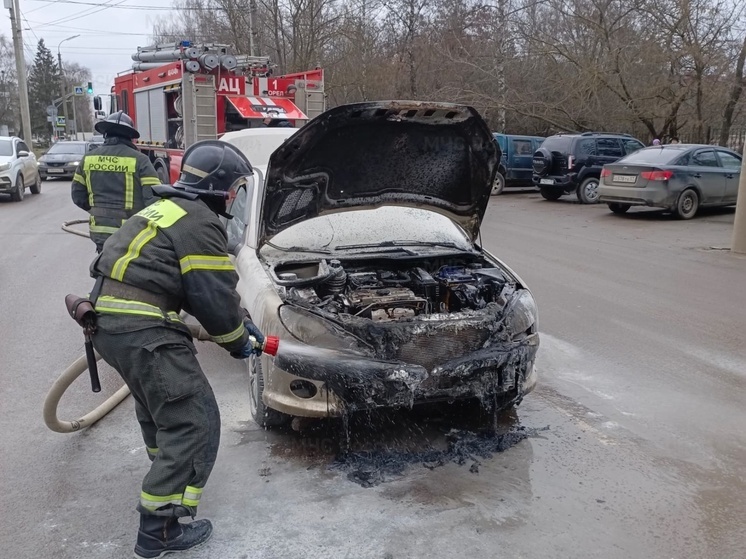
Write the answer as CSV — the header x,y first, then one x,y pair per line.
x,y
63,158
678,177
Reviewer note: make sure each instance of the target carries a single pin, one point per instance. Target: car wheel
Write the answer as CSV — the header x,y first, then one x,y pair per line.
x,y
588,191
36,187
162,169
499,185
550,193
263,416
688,204
619,208
19,190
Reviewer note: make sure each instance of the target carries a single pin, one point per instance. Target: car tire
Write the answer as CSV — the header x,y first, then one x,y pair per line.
x,y
588,190
550,193
687,204
618,208
499,185
262,415
36,187
19,190
161,167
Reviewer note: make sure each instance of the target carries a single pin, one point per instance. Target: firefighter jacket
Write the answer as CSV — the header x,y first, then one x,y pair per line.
x,y
176,249
112,183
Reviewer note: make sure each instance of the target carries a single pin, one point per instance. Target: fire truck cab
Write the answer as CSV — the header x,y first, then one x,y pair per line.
x,y
180,93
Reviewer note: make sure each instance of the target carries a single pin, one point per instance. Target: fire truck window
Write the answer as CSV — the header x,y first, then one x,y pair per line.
x,y
125,102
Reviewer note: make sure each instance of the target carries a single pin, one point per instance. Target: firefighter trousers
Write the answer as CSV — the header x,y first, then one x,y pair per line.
x,y
174,404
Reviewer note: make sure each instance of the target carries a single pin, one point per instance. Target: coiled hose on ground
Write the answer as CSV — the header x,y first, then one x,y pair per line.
x,y
78,367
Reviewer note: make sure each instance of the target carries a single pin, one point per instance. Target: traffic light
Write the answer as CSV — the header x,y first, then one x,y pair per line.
x,y
90,88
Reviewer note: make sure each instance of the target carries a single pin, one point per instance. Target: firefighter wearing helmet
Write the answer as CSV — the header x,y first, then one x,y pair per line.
x,y
172,256
113,182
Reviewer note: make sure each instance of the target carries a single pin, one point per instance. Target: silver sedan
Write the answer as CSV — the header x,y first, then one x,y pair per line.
x,y
678,177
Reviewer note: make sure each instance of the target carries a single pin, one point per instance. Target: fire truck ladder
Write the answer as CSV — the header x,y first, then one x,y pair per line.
x,y
200,110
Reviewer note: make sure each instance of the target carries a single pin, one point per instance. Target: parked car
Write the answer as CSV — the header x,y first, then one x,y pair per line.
x,y
359,251
516,163
97,139
63,158
678,177
18,168
568,163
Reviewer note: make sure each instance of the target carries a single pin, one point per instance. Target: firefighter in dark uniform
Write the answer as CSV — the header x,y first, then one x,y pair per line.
x,y
113,182
171,256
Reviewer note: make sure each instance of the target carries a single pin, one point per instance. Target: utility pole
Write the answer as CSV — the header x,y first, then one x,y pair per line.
x,y
63,85
738,243
15,12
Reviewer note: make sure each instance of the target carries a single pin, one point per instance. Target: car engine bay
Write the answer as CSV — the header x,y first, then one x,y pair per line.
x,y
393,290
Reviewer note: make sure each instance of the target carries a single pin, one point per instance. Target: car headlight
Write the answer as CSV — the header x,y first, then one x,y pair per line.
x,y
4,166
75,163
523,316
313,330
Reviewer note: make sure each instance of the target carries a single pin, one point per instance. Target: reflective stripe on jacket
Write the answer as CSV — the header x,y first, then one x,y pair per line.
x,y
176,247
113,182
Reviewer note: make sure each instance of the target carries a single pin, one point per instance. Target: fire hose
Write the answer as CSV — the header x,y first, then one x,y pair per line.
x,y
77,368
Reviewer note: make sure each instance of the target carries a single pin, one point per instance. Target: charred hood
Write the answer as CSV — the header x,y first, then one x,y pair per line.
x,y
437,156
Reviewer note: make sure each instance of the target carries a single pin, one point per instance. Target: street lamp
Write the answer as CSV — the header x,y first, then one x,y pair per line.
x,y
63,89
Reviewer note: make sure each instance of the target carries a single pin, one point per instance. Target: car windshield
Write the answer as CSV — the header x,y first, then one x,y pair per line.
x,y
6,147
72,148
388,229
559,143
654,156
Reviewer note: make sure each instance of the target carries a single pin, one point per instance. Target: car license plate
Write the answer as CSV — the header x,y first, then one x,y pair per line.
x,y
55,170
630,179
546,181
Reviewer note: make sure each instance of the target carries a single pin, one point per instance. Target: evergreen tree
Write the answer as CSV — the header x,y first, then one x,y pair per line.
x,y
44,87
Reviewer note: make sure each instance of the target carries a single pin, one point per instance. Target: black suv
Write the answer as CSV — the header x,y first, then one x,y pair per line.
x,y
568,163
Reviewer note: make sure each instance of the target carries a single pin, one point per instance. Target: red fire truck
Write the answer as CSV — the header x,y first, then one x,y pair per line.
x,y
178,94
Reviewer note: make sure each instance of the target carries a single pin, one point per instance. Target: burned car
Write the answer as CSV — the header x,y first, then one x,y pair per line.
x,y
357,247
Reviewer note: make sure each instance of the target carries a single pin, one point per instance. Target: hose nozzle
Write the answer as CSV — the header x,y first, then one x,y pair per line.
x,y
270,345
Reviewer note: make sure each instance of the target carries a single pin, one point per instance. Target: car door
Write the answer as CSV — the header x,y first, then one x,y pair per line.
x,y
705,171
520,159
608,150
732,165
28,163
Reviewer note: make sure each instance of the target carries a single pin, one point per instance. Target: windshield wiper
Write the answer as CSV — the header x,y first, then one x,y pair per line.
x,y
384,244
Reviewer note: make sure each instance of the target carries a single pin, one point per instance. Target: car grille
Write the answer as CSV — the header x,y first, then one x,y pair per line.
x,y
434,348
56,164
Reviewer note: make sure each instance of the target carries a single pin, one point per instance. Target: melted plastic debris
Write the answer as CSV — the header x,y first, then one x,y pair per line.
x,y
372,468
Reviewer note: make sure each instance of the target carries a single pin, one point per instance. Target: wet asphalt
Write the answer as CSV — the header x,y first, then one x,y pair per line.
x,y
634,441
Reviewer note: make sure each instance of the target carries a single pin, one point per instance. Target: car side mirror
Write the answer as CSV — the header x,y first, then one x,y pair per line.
x,y
23,154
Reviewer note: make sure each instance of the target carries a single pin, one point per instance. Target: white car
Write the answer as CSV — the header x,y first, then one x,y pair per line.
x,y
18,168
357,246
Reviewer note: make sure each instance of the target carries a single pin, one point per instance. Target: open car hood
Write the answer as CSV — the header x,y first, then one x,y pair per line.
x,y
437,156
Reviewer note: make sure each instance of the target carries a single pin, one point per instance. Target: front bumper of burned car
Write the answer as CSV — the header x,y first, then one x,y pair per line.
x,y
438,361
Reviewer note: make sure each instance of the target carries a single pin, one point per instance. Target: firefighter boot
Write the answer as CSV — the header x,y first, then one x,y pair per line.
x,y
160,535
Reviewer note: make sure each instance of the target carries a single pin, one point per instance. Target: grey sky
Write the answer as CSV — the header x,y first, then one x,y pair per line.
x,y
110,31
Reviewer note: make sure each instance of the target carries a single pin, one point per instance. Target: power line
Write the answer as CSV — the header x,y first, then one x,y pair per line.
x,y
135,7
85,13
